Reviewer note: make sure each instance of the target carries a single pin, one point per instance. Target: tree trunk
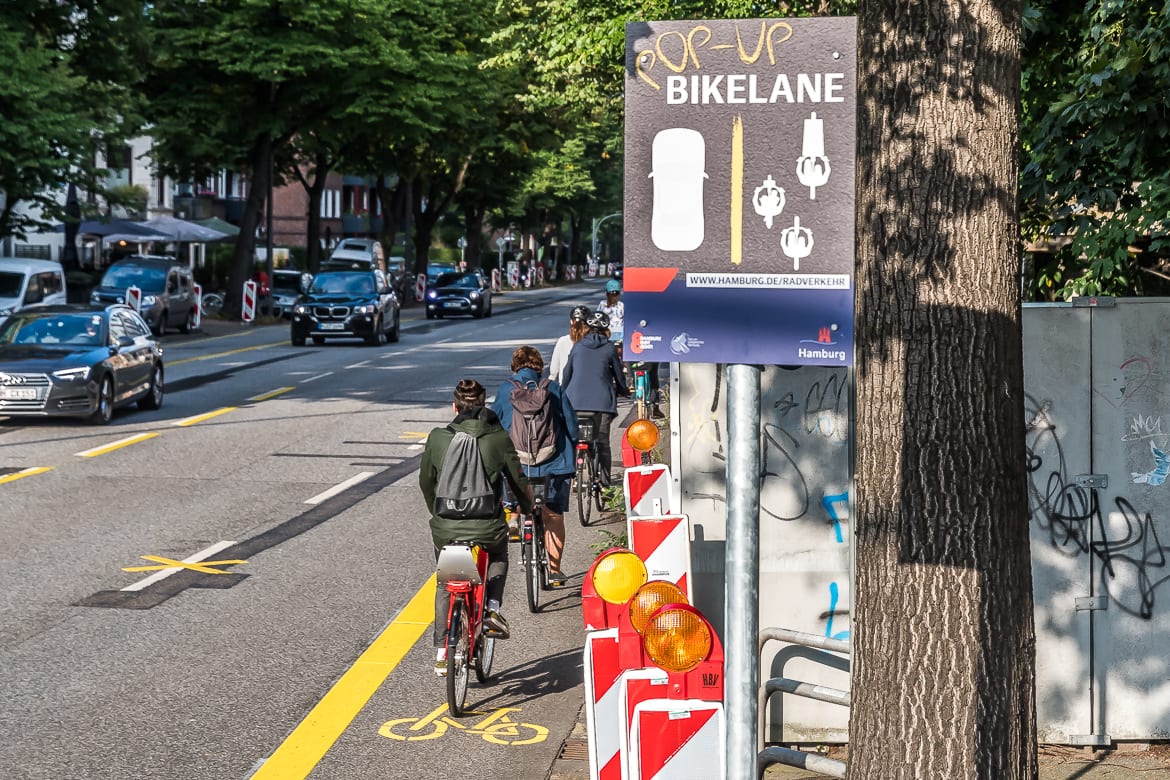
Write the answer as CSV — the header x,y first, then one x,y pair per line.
x,y
943,675
244,254
315,190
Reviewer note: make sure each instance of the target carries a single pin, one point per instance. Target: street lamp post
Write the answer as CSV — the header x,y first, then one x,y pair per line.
x,y
597,223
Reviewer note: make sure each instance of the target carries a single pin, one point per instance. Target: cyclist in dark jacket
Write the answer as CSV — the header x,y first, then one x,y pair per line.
x,y
593,380
500,462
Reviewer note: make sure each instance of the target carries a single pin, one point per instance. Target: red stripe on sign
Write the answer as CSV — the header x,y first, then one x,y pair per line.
x,y
612,770
606,666
662,737
650,534
641,482
647,279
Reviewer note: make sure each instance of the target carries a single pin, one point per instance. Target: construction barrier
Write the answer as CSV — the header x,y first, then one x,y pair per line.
x,y
134,297
647,490
662,659
197,313
420,287
513,277
248,309
664,543
495,280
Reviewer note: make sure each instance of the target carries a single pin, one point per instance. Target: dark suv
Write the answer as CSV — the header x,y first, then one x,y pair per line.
x,y
164,284
347,304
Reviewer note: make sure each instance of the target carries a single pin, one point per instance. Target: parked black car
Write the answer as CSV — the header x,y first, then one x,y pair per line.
x,y
467,292
347,304
167,298
78,360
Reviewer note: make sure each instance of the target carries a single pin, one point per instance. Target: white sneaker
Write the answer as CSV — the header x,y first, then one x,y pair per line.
x,y
441,662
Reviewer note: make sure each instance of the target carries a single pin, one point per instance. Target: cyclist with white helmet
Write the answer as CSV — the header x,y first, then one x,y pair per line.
x,y
560,353
614,308
593,380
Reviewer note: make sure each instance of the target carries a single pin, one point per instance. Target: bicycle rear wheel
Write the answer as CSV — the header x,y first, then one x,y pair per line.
x,y
597,485
485,653
531,558
584,487
458,659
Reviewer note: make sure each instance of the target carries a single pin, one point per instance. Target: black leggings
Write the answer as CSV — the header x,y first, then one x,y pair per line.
x,y
602,423
497,575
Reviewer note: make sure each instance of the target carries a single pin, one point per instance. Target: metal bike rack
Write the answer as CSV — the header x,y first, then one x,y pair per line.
x,y
813,762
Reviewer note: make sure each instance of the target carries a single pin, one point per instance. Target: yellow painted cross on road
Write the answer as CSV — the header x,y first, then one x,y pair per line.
x,y
166,563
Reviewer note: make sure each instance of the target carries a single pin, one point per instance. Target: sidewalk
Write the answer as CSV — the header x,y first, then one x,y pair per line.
x,y
1127,761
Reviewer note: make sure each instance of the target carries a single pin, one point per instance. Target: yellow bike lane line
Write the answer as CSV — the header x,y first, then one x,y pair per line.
x,y
308,743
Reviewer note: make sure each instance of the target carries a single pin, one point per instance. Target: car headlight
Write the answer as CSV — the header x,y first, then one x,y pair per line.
x,y
148,301
474,295
300,308
94,297
365,308
6,312
72,374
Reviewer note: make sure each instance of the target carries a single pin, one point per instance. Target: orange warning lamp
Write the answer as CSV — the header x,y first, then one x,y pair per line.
x,y
642,435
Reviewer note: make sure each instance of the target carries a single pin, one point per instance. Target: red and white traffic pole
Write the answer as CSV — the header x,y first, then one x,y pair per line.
x,y
248,310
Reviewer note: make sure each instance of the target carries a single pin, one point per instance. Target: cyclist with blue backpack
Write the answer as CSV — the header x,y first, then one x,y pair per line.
x,y
481,520
543,428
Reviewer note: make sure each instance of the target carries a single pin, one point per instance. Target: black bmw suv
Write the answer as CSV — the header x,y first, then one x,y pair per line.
x,y
347,304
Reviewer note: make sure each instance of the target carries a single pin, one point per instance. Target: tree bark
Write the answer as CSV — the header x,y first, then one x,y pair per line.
x,y
244,254
943,638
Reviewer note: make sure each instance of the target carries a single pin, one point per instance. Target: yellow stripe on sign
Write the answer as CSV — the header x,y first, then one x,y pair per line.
x,y
737,190
311,739
271,394
202,417
29,472
117,445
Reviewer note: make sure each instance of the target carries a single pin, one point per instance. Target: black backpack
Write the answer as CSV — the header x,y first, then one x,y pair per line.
x,y
463,491
534,422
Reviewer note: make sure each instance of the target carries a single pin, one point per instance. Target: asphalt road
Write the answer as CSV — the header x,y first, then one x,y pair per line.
x,y
306,658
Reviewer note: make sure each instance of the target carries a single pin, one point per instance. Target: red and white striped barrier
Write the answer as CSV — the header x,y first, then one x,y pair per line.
x,y
197,293
602,670
420,287
513,277
677,740
248,309
134,297
648,490
664,543
495,280
539,275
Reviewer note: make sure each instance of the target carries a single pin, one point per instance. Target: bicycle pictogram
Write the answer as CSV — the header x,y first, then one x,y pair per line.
x,y
495,727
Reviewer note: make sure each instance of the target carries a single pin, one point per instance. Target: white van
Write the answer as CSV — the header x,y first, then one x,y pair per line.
x,y
26,282
356,254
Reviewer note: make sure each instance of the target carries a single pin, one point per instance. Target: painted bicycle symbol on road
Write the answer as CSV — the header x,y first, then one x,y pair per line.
x,y
495,727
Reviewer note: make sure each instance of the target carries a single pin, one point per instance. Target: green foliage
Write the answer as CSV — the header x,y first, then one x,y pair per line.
x,y
66,91
608,539
1095,133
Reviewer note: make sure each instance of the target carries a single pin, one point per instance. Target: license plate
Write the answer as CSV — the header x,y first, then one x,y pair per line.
x,y
452,305
18,393
332,326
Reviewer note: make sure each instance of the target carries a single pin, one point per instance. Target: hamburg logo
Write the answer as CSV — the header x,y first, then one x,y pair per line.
x,y
824,336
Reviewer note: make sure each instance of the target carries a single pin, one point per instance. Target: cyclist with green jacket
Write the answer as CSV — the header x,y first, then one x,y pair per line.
x,y
500,462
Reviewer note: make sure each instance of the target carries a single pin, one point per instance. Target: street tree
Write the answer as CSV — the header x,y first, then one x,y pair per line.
x,y
67,95
1096,138
943,640
231,83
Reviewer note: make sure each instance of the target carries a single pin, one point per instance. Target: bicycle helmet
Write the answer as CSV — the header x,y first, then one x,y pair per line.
x,y
613,285
598,320
579,314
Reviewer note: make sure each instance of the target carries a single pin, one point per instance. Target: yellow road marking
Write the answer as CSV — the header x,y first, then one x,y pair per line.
x,y
29,472
311,739
202,417
215,355
271,394
415,434
167,563
117,445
